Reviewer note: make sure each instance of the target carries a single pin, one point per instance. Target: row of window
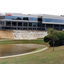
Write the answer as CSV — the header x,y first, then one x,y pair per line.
x,y
34,19
23,24
53,20
21,18
31,24
24,28
20,28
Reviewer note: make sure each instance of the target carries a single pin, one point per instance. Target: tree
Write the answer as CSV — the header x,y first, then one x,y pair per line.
x,y
50,30
52,36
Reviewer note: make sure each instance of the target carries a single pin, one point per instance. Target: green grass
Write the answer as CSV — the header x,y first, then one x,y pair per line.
x,y
37,41
45,57
37,49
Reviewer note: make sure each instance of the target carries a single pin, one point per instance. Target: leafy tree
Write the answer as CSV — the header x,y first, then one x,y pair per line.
x,y
52,36
50,30
46,39
61,38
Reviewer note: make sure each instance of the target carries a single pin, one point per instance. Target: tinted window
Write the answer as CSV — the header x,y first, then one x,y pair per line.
x,y
53,20
19,23
32,19
25,24
30,24
13,17
34,24
39,25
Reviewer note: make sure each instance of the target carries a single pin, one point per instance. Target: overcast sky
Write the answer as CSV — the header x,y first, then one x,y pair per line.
x,y
55,7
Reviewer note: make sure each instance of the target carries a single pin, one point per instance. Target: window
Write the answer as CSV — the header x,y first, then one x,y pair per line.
x,y
43,29
25,24
29,28
14,23
24,28
19,28
38,28
43,25
25,18
30,24
34,28
39,19
14,17
32,18
61,26
8,28
0,23
39,25
13,28
19,23
8,23
34,24
3,23
49,25
18,18
53,20
2,17
56,27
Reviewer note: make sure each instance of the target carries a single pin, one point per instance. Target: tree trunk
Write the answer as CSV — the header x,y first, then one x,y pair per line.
x,y
53,45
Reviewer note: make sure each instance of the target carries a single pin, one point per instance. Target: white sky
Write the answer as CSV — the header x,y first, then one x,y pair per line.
x,y
55,7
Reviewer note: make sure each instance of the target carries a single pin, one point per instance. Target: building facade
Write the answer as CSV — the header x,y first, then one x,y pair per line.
x,y
15,21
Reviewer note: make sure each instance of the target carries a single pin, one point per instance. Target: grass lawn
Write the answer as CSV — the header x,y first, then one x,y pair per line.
x,y
45,57
37,41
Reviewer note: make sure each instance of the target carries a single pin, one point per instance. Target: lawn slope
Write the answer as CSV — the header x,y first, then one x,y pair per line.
x,y
45,57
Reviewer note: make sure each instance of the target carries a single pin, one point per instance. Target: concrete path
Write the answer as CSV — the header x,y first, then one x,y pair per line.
x,y
24,53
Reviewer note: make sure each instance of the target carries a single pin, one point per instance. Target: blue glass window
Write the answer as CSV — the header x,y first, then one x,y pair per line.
x,y
53,20
12,17
15,17
34,24
32,19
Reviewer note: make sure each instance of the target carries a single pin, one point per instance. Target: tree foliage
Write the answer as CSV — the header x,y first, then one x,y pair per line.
x,y
56,36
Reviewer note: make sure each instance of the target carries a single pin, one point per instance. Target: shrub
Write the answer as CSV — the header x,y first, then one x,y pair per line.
x,y
54,37
46,39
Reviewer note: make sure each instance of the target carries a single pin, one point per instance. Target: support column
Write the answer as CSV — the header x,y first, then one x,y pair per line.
x,y
53,26
22,25
5,23
11,25
27,25
17,26
36,26
59,27
45,27
32,26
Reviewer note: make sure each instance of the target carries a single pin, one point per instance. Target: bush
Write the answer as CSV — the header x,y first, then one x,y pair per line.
x,y
61,38
46,39
55,44
55,37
